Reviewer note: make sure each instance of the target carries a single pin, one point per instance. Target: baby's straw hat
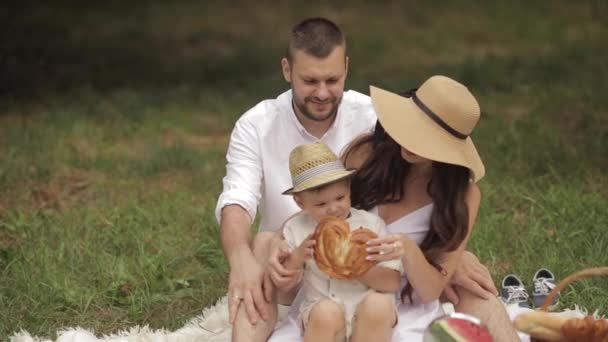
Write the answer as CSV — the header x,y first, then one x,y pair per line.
x,y
313,165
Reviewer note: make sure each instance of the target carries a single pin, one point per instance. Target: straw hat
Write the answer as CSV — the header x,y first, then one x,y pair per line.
x,y
435,123
313,165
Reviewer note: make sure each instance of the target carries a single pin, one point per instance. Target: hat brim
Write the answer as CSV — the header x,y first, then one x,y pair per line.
x,y
320,180
411,128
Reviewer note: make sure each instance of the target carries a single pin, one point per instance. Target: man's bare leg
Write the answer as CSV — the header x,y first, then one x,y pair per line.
x,y
242,329
491,312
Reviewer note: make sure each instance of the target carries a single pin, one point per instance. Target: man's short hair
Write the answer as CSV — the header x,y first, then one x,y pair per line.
x,y
317,37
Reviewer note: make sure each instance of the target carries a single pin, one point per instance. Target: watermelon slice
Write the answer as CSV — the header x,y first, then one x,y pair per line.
x,y
457,328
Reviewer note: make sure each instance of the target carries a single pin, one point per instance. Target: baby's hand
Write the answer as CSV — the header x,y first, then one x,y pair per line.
x,y
305,250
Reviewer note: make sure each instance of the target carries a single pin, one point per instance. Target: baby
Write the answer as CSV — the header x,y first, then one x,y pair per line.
x,y
334,309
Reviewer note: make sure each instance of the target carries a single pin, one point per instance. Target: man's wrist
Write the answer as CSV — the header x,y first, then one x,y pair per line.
x,y
276,241
240,252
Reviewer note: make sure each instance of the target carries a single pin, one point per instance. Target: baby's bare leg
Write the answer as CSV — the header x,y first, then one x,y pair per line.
x,y
325,322
375,318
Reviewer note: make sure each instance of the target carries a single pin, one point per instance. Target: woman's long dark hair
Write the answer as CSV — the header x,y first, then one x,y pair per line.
x,y
380,179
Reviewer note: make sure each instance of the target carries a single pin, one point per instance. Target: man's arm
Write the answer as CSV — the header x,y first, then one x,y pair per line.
x,y
300,252
246,273
235,211
282,277
235,232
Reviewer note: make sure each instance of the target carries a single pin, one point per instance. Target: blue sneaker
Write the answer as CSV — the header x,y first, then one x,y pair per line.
x,y
513,292
544,282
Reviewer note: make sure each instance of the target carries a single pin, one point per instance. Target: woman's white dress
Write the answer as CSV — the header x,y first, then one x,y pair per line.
x,y
413,318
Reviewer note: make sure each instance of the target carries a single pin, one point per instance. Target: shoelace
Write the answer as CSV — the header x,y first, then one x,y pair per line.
x,y
517,293
543,286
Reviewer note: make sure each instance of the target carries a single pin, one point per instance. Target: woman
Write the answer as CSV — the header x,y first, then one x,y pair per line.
x,y
418,171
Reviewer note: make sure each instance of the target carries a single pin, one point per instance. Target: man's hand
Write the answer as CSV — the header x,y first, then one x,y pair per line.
x,y
282,277
245,286
473,276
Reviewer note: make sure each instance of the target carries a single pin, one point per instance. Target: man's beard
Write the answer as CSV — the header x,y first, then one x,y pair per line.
x,y
332,112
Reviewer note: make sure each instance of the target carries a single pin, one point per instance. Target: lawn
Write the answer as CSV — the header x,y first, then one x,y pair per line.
x,y
114,120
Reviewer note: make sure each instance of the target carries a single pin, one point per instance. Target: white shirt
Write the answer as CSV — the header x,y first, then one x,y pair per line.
x,y
257,169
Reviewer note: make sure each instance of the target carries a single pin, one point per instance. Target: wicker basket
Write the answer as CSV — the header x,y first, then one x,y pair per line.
x,y
546,326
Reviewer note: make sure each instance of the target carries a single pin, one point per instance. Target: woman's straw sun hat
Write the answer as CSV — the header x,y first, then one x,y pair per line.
x,y
435,123
314,165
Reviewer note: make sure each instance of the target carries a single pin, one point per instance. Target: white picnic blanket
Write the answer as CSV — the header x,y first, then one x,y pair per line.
x,y
211,326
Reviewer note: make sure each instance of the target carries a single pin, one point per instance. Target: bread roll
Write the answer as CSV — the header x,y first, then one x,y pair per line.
x,y
340,252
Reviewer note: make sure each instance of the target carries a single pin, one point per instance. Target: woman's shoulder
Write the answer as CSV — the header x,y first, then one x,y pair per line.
x,y
473,199
473,195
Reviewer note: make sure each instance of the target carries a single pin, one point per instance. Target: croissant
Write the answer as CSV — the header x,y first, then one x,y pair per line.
x,y
340,252
585,329
549,326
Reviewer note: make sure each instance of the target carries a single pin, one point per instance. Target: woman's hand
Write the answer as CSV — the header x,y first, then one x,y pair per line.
x,y
388,247
473,276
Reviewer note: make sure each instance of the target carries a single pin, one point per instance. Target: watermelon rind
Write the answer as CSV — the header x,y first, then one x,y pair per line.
x,y
442,332
457,329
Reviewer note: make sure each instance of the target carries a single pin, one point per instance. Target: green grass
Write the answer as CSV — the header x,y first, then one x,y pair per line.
x,y
114,121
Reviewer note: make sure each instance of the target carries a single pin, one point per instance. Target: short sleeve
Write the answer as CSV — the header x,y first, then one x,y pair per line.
x,y
289,234
393,265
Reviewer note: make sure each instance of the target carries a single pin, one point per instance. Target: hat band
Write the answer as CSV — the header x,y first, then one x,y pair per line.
x,y
315,171
437,119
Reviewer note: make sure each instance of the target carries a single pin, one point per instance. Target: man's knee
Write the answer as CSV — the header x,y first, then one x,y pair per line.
x,y
491,312
470,302
327,314
476,306
243,330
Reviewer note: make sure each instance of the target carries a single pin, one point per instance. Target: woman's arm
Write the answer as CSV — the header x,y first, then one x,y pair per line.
x,y
426,279
429,282
382,279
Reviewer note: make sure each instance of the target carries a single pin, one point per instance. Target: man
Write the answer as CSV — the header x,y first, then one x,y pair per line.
x,y
315,108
